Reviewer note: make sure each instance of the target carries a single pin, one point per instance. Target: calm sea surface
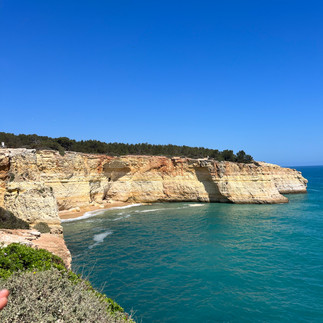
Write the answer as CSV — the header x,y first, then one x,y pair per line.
x,y
188,262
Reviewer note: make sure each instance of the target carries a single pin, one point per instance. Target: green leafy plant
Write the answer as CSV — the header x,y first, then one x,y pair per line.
x,y
18,259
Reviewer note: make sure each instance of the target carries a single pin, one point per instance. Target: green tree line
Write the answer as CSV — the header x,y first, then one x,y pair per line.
x,y
63,144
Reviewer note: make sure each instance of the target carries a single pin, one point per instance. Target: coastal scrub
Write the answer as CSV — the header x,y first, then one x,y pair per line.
x,y
50,296
43,290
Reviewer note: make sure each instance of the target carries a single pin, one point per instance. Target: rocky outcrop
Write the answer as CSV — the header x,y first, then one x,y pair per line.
x,y
33,203
23,193
35,183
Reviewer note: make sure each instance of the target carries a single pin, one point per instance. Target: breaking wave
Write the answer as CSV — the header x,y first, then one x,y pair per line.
x,y
122,217
90,214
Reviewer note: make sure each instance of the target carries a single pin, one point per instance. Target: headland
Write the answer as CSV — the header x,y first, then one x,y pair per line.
x,y
41,187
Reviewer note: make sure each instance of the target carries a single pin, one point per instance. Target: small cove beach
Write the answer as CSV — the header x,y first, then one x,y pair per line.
x,y
81,212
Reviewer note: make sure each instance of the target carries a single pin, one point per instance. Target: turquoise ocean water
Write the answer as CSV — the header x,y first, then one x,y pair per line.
x,y
189,262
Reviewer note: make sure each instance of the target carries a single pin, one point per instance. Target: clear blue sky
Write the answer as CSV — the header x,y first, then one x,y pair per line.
x,y
223,74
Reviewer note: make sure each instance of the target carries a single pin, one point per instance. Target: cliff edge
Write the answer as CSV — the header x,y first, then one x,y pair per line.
x,y
34,185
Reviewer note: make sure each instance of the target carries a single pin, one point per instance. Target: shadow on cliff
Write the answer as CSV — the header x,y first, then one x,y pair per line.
x,y
204,176
9,221
113,174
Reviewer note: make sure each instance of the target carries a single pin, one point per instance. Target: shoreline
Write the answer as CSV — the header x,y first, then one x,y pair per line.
x,y
78,212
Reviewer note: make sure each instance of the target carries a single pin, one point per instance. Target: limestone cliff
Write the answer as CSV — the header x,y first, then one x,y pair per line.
x,y
35,184
22,192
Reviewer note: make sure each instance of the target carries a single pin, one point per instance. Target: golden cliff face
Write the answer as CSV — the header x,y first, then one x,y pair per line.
x,y
35,184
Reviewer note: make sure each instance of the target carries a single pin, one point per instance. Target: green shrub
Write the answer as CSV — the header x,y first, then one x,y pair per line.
x,y
17,257
42,227
50,296
63,144
61,151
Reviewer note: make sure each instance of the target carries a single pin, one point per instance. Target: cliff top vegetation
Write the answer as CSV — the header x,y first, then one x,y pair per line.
x,y
63,144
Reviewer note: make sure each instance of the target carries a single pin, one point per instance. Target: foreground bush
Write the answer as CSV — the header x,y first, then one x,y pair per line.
x,y
17,257
50,296
42,290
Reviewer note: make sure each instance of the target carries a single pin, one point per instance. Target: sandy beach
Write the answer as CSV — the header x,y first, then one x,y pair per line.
x,y
79,211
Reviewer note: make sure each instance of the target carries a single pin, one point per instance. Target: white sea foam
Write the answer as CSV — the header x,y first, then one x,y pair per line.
x,y
168,209
196,205
125,207
78,255
101,236
90,214
152,210
86,215
90,221
98,238
122,217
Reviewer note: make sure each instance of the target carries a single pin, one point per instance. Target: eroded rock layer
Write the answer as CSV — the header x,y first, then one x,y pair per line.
x,y
35,184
